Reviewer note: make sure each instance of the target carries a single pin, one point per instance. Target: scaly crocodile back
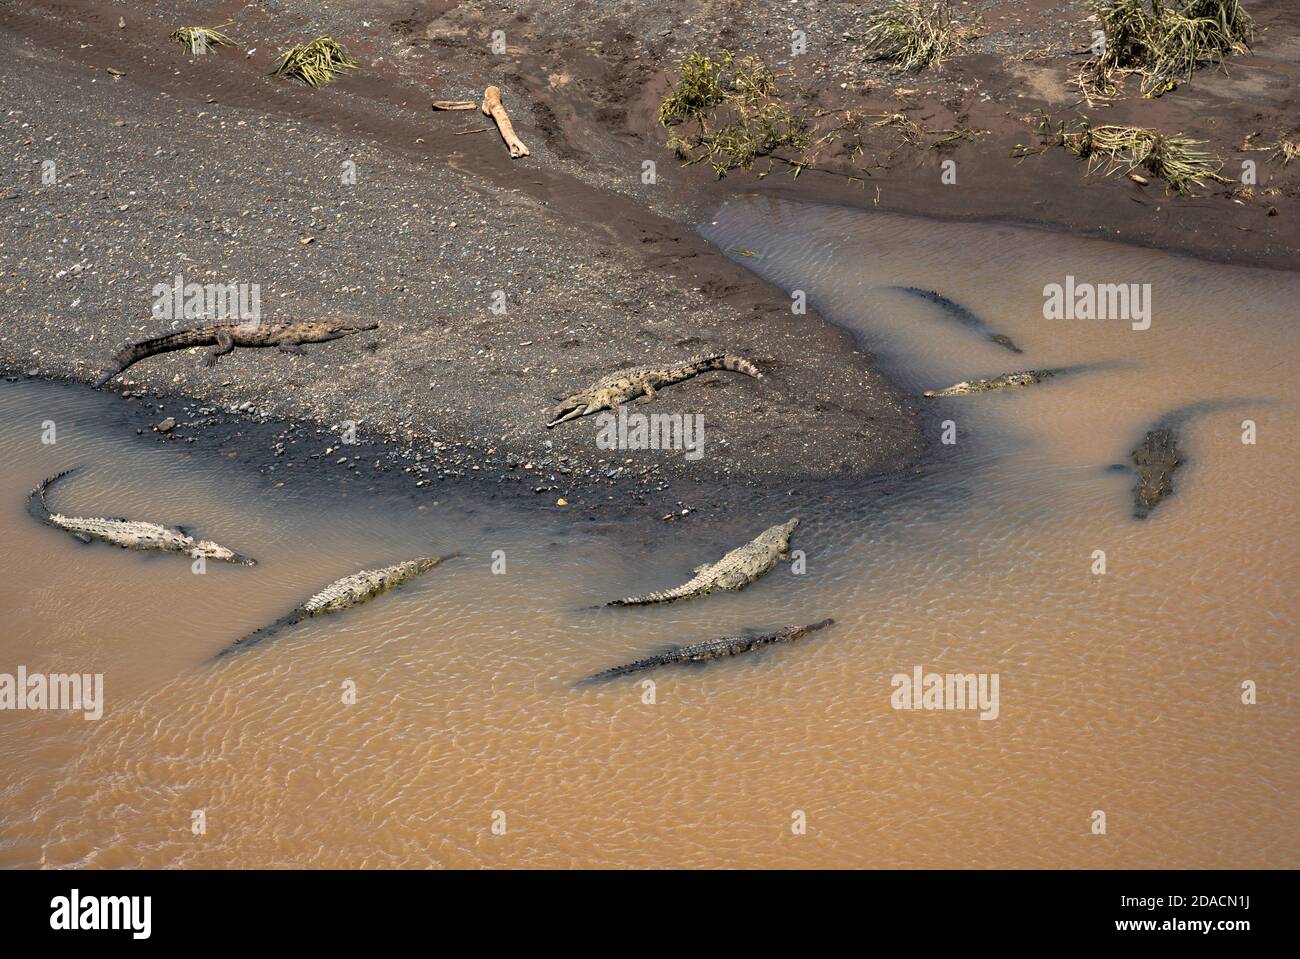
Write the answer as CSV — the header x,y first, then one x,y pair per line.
x,y
365,585
352,590
736,570
708,650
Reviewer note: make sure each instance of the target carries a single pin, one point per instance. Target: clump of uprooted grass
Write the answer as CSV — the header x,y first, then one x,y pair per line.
x,y
729,113
1174,159
1163,41
1286,151
316,63
915,36
201,39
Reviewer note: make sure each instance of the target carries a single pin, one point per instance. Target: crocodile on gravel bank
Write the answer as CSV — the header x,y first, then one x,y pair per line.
x,y
1156,458
736,570
959,313
1003,382
287,335
127,533
711,649
342,594
617,388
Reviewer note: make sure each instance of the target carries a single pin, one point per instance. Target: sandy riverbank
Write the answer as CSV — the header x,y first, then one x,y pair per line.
x,y
207,169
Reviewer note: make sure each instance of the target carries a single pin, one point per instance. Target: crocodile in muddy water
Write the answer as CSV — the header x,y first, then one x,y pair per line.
x,y
960,314
1159,453
736,570
617,388
287,335
127,533
353,590
1156,458
710,649
1003,382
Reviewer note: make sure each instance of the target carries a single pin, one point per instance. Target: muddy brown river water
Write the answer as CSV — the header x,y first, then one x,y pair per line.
x,y
467,744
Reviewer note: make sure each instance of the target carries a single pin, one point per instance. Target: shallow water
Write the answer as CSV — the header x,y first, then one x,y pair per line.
x,y
1119,692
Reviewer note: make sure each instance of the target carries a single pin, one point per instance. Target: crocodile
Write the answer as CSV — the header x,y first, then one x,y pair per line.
x,y
710,649
128,533
353,590
644,381
1156,458
287,335
736,570
1005,381
959,313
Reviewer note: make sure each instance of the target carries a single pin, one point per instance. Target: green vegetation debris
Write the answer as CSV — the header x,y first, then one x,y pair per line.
x,y
201,39
732,103
915,36
316,63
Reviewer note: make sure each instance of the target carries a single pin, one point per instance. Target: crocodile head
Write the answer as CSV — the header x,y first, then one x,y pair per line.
x,y
778,537
568,409
211,550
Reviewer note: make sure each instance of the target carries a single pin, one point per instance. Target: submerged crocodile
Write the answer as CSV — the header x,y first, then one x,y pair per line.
x,y
287,335
342,594
1003,382
736,570
617,388
1156,458
711,649
128,533
959,313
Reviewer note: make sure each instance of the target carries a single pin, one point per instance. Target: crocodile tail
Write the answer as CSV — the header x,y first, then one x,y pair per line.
x,y
738,364
142,349
36,501
717,361
690,588
615,672
263,634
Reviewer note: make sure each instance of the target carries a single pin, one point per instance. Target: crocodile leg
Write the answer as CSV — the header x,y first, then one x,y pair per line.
x,y
293,349
225,343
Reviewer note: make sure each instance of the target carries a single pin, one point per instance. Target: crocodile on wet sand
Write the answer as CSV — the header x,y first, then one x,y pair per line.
x,y
959,313
353,590
736,570
710,649
1003,382
286,335
617,388
127,533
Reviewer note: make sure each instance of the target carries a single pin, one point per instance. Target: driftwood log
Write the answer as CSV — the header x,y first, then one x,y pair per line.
x,y
454,105
493,108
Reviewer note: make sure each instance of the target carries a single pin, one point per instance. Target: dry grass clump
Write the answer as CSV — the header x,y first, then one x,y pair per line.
x,y
1174,159
732,103
1163,41
316,63
914,35
1286,151
201,39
